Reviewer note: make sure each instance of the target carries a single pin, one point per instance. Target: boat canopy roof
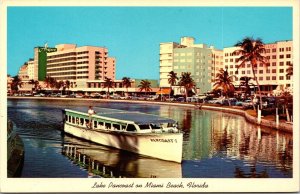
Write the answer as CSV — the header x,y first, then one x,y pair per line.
x,y
136,117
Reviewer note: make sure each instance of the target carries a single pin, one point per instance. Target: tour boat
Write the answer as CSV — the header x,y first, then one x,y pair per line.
x,y
141,133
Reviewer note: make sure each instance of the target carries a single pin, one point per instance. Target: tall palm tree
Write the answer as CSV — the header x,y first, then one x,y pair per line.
x,y
245,82
126,82
187,82
16,83
108,83
224,81
145,85
50,82
59,84
172,80
251,51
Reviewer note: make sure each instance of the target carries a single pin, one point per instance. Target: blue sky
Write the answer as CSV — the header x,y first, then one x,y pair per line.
x,y
132,34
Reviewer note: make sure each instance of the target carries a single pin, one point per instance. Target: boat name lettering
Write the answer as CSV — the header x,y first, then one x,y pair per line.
x,y
164,140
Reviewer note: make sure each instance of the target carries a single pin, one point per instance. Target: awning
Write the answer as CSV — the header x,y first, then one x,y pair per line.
x,y
163,91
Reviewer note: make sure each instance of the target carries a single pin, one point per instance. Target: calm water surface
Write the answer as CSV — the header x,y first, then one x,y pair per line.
x,y
216,145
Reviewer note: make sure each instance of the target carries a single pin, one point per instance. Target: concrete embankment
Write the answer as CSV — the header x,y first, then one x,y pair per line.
x,y
267,123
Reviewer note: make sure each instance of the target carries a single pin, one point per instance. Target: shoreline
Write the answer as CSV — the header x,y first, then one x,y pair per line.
x,y
266,123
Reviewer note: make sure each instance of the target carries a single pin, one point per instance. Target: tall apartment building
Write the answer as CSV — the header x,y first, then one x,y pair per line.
x,y
271,75
188,57
79,64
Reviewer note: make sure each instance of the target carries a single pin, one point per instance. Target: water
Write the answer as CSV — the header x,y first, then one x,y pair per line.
x,y
216,144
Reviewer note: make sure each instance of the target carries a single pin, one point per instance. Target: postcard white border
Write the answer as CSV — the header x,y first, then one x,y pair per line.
x,y
85,185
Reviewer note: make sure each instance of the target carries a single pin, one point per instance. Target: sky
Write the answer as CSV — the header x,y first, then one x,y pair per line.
x,y
133,34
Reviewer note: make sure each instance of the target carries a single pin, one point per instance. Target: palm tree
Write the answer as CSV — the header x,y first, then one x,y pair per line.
x,y
286,98
245,82
126,82
50,82
145,85
67,85
172,80
187,82
224,81
59,84
16,83
251,51
108,84
32,83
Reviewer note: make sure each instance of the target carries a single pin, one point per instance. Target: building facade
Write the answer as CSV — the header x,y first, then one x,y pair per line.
x,y
189,57
271,75
80,63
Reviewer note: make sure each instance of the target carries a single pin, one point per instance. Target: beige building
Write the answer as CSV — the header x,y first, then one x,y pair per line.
x,y
23,72
270,76
79,64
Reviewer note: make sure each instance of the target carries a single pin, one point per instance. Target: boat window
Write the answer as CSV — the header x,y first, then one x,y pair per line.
x,y
170,125
77,120
116,126
69,118
101,124
155,126
73,119
144,127
95,124
130,127
66,117
81,121
107,126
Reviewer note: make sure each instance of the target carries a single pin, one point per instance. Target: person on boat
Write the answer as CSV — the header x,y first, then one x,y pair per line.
x,y
91,112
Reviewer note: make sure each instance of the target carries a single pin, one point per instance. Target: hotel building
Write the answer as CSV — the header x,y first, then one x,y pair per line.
x,y
188,57
279,56
79,64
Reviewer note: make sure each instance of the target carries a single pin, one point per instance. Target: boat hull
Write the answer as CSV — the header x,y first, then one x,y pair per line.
x,y
165,146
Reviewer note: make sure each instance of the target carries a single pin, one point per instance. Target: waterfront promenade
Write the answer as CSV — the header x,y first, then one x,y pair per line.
x,y
248,114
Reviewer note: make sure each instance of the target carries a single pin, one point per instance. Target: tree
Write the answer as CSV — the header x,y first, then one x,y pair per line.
x,y
16,83
32,83
224,82
172,80
59,84
108,83
126,82
286,99
145,85
245,83
67,85
251,51
187,82
50,82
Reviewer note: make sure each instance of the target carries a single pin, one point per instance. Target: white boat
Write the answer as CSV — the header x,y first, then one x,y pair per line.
x,y
144,134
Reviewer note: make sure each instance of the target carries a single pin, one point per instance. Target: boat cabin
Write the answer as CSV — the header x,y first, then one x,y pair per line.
x,y
118,120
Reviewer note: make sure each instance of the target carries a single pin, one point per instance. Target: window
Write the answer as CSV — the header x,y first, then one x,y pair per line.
x,y
231,60
281,56
268,57
274,50
273,77
288,77
273,56
273,70
267,50
281,77
248,65
288,56
281,49
130,127
288,48
261,78
231,66
288,85
273,63
226,60
261,65
268,78
281,70
288,63
261,71
268,71
281,63
243,72
248,71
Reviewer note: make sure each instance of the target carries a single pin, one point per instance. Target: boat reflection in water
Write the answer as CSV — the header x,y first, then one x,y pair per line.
x,y
101,161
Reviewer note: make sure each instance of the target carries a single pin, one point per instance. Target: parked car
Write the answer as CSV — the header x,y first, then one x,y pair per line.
x,y
247,104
